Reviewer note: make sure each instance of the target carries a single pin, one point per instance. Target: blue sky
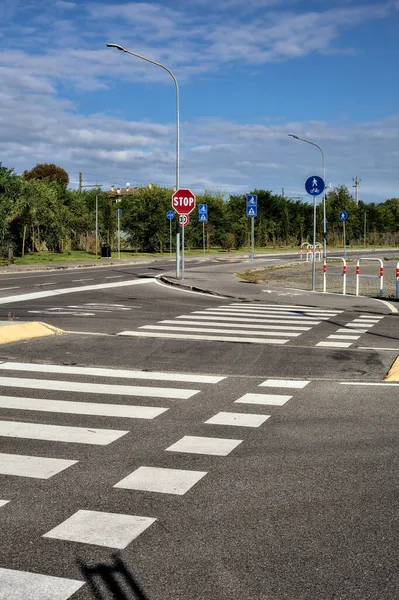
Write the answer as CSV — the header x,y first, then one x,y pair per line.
x,y
250,72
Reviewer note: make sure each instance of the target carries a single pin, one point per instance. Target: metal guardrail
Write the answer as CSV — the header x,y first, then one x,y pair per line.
x,y
380,276
343,274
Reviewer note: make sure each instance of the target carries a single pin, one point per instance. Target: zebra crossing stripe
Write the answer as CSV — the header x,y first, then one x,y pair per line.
x,y
4,502
98,388
211,338
21,585
208,323
59,433
267,399
245,319
37,467
209,330
117,373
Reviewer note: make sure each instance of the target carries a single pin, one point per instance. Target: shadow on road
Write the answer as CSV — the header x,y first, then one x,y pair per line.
x,y
111,581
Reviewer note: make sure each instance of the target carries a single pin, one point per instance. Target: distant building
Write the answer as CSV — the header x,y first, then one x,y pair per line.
x,y
116,193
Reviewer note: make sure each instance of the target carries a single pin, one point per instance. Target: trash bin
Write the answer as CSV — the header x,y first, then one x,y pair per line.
x,y
105,251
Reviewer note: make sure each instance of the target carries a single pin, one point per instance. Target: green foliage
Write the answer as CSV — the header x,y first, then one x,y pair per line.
x,y
48,171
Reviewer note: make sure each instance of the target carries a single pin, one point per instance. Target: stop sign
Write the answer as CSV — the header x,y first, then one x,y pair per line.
x,y
183,201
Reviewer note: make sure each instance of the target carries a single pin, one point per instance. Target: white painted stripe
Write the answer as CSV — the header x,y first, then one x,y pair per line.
x,y
37,467
391,307
209,338
112,530
334,344
374,317
289,306
222,331
98,388
3,503
377,348
13,287
296,313
163,481
61,312
348,330
59,433
85,279
353,325
114,277
21,585
364,322
266,399
251,313
204,445
246,325
368,383
107,304
119,373
343,337
237,419
72,290
235,319
284,383
47,283
81,408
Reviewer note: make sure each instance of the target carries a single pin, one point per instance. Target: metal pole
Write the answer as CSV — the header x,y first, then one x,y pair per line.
x,y
96,226
203,237
314,246
170,237
182,252
365,227
344,241
252,238
119,234
178,252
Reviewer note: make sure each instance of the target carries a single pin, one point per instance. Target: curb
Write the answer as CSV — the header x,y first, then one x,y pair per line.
x,y
393,373
17,332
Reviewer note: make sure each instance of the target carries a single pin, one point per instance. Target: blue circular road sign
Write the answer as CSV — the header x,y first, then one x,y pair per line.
x,y
314,185
170,214
343,215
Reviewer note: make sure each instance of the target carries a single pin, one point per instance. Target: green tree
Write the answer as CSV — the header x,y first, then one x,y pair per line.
x,y
48,171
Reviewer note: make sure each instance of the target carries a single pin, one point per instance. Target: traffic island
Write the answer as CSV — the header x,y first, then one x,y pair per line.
x,y
393,373
11,331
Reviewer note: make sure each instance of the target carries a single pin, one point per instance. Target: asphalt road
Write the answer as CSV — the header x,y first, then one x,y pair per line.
x,y
293,497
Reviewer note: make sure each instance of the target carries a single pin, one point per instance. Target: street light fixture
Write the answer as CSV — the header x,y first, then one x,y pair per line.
x,y
158,64
296,137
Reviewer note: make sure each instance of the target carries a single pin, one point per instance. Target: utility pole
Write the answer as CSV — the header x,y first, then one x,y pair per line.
x,y
365,227
283,192
80,181
357,181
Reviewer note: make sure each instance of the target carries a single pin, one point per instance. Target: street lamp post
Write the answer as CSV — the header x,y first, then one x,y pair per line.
x,y
153,62
296,137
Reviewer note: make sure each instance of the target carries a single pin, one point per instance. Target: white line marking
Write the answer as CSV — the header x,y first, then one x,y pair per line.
x,y
217,317
370,317
348,330
268,311
363,322
209,330
85,279
105,304
237,419
14,287
285,306
161,480
114,277
112,530
204,445
249,313
391,307
118,373
47,283
343,337
98,388
267,399
4,502
37,467
210,338
284,383
72,290
376,348
238,325
353,325
334,344
368,383
61,312
81,408
59,433
21,585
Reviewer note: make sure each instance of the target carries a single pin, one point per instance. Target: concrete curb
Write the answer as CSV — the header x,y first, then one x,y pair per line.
x,y
193,288
16,332
393,373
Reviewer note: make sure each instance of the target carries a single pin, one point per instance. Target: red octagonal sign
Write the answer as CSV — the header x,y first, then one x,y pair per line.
x,y
183,201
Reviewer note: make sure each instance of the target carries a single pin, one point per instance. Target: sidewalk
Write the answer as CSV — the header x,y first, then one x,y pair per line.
x,y
221,280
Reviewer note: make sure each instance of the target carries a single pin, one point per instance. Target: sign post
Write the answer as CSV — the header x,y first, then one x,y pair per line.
x,y
183,202
170,215
343,216
203,218
252,212
314,186
119,214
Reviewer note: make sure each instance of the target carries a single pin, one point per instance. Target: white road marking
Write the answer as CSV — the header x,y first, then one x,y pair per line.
x,y
21,585
47,283
285,306
368,383
237,419
112,530
61,312
204,445
376,348
354,325
369,317
344,337
72,290
59,433
235,319
13,287
85,279
118,373
264,310
222,331
81,408
37,467
247,313
161,480
266,399
211,338
391,307
114,277
4,502
284,383
362,322
98,388
246,325
349,330
334,344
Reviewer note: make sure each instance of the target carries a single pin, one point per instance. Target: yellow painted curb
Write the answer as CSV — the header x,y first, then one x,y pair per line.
x,y
393,373
27,331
